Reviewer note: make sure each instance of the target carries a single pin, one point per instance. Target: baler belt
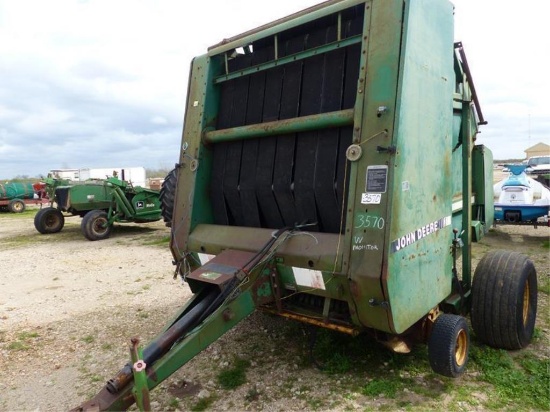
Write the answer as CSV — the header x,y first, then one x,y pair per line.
x,y
280,180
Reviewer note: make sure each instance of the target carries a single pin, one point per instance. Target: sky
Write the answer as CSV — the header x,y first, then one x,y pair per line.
x,y
99,83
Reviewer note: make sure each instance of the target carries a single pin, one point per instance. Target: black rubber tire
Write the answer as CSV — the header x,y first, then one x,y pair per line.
x,y
449,345
49,220
95,225
504,300
167,196
16,206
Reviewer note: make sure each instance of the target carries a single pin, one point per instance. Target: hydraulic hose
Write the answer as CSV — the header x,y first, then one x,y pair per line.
x,y
163,343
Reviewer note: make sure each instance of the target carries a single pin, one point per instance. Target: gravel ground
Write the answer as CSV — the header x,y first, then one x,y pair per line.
x,y
68,308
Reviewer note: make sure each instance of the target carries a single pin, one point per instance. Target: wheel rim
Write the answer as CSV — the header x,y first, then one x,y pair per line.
x,y
100,226
526,303
51,221
461,350
18,207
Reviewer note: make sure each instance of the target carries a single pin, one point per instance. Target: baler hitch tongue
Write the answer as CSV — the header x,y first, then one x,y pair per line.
x,y
140,389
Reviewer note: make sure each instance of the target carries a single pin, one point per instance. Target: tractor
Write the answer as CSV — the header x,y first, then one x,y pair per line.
x,y
100,203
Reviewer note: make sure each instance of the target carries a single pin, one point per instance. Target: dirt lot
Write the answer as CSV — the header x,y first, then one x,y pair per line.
x,y
68,308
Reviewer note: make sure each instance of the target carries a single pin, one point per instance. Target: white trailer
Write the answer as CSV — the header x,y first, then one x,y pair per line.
x,y
135,175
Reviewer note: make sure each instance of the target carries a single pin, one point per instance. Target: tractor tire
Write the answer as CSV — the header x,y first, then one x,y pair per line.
x,y
49,220
449,345
95,225
167,196
504,300
16,206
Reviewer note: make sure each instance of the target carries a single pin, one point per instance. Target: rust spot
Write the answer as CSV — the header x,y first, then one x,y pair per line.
x,y
228,315
434,198
354,289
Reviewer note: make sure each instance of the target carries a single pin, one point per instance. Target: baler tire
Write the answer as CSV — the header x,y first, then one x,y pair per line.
x,y
95,225
504,300
16,206
49,220
449,345
167,196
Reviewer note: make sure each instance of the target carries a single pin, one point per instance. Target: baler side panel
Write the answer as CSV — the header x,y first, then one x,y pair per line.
x,y
192,199
377,89
419,262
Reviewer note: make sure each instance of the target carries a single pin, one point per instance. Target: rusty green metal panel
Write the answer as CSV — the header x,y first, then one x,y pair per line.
x,y
419,264
191,199
371,220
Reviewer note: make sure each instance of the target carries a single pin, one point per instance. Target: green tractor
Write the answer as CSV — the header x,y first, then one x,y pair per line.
x,y
100,203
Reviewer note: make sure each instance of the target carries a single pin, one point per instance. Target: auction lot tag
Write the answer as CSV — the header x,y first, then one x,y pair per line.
x,y
371,198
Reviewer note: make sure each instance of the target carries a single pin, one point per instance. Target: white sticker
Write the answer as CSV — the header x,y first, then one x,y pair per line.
x,y
309,277
371,198
205,258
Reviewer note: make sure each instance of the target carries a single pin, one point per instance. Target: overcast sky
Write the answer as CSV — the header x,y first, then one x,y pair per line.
x,y
103,83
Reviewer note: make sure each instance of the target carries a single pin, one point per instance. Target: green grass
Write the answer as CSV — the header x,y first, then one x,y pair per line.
x,y
523,381
18,346
235,376
23,341
174,403
88,339
163,241
545,244
29,212
202,404
27,335
388,387
544,285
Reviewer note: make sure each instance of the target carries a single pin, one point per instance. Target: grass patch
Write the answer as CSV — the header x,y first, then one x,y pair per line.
x,y
202,404
22,342
387,387
27,335
253,394
336,352
18,346
88,339
28,212
544,285
163,241
522,382
235,376
546,244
